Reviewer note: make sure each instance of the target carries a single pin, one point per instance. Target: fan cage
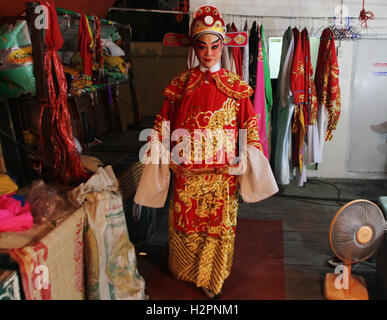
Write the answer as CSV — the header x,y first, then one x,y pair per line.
x,y
345,225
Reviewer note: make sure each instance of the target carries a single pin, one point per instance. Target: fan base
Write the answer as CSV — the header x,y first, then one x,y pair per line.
x,y
357,289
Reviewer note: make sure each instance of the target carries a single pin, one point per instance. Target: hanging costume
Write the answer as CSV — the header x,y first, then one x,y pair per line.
x,y
246,59
253,54
204,202
327,88
268,90
297,84
259,101
283,113
311,103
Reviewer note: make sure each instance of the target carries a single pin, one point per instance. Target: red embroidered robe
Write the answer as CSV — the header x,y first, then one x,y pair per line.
x,y
204,204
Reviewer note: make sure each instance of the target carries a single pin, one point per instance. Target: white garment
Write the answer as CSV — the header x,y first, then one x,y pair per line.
x,y
313,144
322,124
245,59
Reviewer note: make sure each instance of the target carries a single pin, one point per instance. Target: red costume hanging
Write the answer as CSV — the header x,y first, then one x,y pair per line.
x,y
327,80
85,45
237,55
297,85
310,112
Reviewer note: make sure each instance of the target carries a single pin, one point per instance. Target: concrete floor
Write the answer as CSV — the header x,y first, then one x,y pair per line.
x,y
305,221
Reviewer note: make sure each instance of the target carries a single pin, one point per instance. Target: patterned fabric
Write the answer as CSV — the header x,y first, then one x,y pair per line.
x,y
47,275
186,82
327,80
310,88
204,204
260,101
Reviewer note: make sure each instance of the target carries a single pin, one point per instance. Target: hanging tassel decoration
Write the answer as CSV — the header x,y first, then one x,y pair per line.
x,y
67,163
365,16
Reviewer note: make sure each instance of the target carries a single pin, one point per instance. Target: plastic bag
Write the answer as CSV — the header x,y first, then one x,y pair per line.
x,y
16,64
47,203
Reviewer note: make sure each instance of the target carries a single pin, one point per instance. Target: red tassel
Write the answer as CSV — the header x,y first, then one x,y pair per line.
x,y
67,162
365,15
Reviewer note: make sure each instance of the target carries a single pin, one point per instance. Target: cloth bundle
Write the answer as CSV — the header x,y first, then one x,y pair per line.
x,y
15,213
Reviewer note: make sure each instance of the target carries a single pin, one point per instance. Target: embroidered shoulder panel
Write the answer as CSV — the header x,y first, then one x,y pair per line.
x,y
184,83
232,85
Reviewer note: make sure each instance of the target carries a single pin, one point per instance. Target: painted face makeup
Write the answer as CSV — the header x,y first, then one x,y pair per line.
x,y
208,49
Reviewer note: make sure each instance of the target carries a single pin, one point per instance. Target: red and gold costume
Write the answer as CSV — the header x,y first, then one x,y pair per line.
x,y
204,203
297,84
327,80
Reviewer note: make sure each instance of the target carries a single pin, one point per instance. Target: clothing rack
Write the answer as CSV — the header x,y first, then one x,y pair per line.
x,y
248,16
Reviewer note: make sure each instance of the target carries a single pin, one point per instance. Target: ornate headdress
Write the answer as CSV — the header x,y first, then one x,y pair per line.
x,y
206,19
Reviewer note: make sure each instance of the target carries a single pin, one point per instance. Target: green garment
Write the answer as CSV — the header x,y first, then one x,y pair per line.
x,y
268,89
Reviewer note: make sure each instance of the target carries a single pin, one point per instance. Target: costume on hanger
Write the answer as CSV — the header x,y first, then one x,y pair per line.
x,y
204,202
237,55
253,53
260,100
312,145
297,84
268,89
327,88
246,58
283,112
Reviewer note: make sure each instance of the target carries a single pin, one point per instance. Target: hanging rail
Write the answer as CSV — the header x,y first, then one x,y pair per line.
x,y
293,17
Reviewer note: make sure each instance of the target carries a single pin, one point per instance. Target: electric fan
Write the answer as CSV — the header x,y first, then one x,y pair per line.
x,y
355,234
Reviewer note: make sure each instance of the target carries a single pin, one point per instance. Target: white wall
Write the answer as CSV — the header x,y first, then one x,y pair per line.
x,y
334,163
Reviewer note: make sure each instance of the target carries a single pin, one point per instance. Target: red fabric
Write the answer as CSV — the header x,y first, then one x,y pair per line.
x,y
327,80
310,110
206,101
297,74
53,38
236,52
257,272
67,163
91,7
297,85
84,42
98,45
